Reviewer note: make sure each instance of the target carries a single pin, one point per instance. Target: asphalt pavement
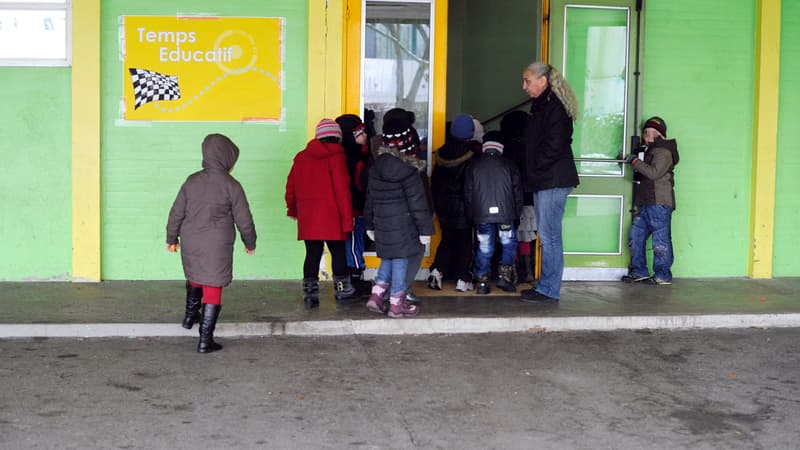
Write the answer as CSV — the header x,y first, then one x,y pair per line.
x,y
661,389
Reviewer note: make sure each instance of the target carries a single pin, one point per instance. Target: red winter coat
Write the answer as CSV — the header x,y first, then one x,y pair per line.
x,y
318,193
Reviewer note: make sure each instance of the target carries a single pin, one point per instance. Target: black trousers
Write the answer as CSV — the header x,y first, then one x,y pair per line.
x,y
455,253
314,254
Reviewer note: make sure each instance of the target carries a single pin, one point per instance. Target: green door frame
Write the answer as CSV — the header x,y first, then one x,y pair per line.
x,y
597,217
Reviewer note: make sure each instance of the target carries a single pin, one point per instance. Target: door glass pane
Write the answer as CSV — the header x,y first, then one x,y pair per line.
x,y
592,224
397,49
596,66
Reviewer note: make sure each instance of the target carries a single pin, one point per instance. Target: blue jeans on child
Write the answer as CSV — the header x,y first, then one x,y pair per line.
x,y
486,240
549,205
652,220
393,272
355,245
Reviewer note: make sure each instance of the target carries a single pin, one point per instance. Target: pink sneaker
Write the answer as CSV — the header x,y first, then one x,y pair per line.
x,y
375,302
403,308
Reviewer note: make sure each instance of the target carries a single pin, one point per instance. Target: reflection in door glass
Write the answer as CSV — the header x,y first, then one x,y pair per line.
x,y
397,62
596,66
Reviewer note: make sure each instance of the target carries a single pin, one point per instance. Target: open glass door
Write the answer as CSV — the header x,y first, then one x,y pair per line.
x,y
591,43
400,64
397,61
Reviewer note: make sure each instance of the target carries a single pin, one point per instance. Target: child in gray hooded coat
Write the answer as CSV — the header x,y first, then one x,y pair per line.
x,y
202,221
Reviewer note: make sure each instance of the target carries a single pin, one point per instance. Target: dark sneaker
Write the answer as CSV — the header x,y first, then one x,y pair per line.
x,y
483,286
534,296
412,297
629,278
655,280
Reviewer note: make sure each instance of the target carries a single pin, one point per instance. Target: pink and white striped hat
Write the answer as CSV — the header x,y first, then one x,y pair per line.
x,y
328,128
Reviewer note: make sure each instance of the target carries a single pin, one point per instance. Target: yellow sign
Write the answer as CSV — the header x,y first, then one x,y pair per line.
x,y
218,69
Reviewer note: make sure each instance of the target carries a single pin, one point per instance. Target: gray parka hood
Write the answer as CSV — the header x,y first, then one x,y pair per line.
x,y
219,153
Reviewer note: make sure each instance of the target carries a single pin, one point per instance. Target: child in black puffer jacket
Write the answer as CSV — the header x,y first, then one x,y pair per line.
x,y
493,195
396,215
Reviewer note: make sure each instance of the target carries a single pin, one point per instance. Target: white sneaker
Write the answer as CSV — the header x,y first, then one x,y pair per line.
x,y
435,280
463,286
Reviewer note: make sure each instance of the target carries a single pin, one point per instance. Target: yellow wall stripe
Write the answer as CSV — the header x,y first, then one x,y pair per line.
x,y
325,49
86,239
765,137
351,56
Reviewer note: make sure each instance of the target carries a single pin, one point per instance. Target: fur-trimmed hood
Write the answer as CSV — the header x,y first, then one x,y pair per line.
x,y
408,159
445,162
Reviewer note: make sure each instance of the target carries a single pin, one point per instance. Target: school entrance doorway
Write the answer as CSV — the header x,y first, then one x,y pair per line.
x,y
441,58
593,43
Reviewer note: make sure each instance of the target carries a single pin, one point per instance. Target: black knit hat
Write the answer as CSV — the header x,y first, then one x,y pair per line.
x,y
656,123
397,133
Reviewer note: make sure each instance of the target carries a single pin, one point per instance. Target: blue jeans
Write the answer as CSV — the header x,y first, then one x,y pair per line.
x,y
414,263
486,240
393,272
549,205
652,220
355,245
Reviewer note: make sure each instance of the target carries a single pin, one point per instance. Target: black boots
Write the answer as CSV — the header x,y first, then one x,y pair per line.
x,y
526,269
506,278
310,293
194,295
361,286
344,291
207,325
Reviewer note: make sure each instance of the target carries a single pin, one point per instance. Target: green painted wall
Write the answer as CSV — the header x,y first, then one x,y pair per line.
x,y
787,201
698,75
144,165
35,174
485,59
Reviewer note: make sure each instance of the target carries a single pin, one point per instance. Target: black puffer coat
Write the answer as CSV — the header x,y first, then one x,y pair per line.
x,y
203,215
357,157
493,190
396,207
447,184
548,145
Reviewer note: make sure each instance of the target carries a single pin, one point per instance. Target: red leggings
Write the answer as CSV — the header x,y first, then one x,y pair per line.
x,y
211,294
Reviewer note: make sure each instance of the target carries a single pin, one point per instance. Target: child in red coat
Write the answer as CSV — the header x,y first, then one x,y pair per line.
x,y
318,197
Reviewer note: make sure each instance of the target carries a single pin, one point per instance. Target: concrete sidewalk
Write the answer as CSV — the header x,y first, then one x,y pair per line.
x,y
264,308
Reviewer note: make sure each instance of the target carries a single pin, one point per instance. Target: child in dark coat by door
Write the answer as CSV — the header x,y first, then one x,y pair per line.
x,y
318,197
493,196
397,216
202,221
454,254
357,154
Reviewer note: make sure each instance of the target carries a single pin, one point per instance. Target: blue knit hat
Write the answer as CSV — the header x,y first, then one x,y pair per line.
x,y
463,127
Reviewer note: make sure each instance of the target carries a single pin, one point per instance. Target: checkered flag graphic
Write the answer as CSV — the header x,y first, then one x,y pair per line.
x,y
149,86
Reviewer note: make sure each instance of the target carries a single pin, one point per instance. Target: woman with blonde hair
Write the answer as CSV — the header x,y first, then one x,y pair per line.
x,y
550,169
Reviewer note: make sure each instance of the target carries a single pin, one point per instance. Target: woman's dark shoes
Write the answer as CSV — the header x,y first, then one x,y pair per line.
x,y
534,296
